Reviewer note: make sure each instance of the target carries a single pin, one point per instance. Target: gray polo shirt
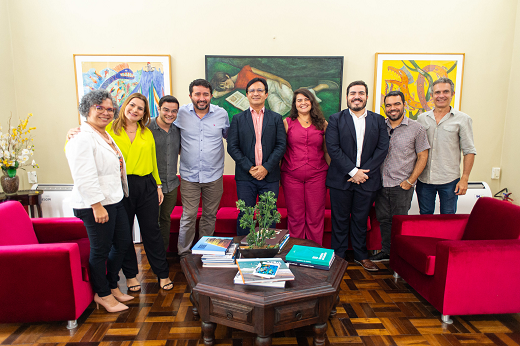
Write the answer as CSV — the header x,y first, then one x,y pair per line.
x,y
167,146
453,134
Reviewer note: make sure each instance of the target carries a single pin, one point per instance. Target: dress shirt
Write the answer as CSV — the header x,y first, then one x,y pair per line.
x,y
258,120
140,154
406,141
202,148
359,125
167,146
453,134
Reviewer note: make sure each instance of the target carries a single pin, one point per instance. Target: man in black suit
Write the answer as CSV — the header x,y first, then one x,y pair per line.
x,y
256,141
357,142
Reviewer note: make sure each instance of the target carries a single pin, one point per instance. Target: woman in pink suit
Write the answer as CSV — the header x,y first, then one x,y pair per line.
x,y
304,167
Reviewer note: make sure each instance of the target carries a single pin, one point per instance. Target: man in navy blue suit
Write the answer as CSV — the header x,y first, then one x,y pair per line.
x,y
357,142
256,141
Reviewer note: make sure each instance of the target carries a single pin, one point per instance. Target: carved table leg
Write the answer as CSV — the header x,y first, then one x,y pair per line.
x,y
208,332
333,312
263,340
194,308
319,334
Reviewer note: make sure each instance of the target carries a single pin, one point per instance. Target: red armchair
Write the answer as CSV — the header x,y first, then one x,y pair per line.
x,y
461,264
43,267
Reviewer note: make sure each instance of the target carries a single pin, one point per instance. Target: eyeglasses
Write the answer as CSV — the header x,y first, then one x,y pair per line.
x,y
252,91
101,109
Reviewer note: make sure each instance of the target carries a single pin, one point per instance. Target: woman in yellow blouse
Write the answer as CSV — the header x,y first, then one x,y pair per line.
x,y
138,148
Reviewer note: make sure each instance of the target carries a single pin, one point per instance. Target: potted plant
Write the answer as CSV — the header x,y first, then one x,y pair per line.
x,y
15,150
258,219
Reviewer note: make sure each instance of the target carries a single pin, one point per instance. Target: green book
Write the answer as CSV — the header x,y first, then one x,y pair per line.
x,y
313,255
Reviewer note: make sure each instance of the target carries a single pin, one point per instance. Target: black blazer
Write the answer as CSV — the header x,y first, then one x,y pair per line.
x,y
241,142
342,148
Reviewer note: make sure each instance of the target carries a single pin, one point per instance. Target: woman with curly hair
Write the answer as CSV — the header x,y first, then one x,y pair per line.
x,y
304,167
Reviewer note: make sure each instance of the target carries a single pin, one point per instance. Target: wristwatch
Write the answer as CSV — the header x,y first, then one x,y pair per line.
x,y
159,187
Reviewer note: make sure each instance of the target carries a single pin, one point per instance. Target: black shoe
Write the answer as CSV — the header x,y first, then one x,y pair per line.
x,y
380,257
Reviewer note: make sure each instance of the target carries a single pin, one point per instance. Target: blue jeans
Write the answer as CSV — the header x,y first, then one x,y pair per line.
x,y
248,190
427,193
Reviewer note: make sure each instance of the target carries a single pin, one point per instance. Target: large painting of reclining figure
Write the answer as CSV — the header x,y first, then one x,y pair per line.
x,y
229,76
413,75
123,75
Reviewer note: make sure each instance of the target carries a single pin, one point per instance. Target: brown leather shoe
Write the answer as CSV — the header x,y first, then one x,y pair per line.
x,y
367,265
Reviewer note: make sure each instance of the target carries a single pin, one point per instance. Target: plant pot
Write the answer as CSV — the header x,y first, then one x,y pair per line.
x,y
258,253
10,185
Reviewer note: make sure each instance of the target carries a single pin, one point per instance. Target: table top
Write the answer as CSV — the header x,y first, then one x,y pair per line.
x,y
20,193
309,282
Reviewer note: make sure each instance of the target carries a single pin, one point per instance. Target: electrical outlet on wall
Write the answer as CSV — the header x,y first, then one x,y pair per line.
x,y
495,173
31,176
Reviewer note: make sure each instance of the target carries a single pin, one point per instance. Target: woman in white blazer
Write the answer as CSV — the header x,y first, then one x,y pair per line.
x,y
99,174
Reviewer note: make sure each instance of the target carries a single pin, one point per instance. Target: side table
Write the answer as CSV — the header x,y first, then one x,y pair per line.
x,y
308,300
28,198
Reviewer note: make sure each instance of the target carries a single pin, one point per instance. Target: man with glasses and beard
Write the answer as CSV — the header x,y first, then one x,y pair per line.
x,y
202,126
406,159
357,142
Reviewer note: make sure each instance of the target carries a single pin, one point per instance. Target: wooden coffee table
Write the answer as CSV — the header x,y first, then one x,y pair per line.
x,y
308,300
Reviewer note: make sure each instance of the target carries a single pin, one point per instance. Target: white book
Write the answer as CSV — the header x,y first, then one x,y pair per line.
x,y
238,100
278,284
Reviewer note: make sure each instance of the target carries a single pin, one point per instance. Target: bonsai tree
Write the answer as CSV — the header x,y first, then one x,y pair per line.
x,y
266,214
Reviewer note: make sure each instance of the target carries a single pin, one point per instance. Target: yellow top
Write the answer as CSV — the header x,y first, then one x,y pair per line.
x,y
140,157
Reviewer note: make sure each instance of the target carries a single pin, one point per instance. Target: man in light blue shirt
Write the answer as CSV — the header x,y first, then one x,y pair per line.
x,y
202,126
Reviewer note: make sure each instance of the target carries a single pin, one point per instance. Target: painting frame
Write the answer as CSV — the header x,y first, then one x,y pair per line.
x,y
156,64
417,72
298,71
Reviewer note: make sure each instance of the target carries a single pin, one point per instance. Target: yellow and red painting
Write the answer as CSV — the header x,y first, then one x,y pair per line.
x,y
413,75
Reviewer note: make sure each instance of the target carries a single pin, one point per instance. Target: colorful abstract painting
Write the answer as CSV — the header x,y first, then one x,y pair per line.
x,y
413,75
123,75
284,74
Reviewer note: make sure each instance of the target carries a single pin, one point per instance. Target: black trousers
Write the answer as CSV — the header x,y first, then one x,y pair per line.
x,y
143,201
349,214
391,201
109,242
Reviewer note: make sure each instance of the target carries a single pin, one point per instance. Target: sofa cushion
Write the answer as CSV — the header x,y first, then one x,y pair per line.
x,y
419,252
175,218
493,219
229,196
226,223
15,225
84,254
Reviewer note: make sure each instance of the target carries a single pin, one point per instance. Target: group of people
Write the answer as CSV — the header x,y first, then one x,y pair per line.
x,y
127,167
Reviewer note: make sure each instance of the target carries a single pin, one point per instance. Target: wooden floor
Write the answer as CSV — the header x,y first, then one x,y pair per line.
x,y
374,310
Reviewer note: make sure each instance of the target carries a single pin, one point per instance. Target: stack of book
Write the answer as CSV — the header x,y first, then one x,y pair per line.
x,y
281,237
307,256
267,272
217,252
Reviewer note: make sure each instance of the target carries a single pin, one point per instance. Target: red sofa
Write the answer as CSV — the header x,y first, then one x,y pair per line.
x,y
462,264
227,218
44,271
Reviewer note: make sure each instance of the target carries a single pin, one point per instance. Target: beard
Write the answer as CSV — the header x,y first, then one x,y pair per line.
x,y
200,105
356,109
395,117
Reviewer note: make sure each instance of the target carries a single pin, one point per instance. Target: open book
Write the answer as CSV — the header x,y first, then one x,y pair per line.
x,y
238,100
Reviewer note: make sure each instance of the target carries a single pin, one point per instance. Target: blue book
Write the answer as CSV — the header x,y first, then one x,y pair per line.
x,y
212,246
310,255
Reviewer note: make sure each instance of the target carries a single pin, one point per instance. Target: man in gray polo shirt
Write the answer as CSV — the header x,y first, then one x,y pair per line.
x,y
167,142
449,132
406,159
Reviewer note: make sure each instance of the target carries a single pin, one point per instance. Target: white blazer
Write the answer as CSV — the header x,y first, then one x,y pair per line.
x,y
95,169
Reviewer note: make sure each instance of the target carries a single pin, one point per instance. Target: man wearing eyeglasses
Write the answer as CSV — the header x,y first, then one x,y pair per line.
x,y
406,159
167,143
202,127
256,142
450,132
357,142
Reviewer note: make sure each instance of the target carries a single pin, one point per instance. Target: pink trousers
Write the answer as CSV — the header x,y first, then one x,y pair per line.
x,y
305,193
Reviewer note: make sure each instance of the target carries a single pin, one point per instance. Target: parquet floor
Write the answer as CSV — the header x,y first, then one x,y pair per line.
x,y
374,310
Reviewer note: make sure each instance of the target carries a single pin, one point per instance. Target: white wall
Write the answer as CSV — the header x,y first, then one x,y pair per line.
x,y
45,35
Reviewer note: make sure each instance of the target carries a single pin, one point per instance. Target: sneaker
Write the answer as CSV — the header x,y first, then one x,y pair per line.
x,y
380,257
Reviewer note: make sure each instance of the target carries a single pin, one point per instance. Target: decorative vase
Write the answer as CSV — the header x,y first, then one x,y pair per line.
x,y
10,184
258,253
